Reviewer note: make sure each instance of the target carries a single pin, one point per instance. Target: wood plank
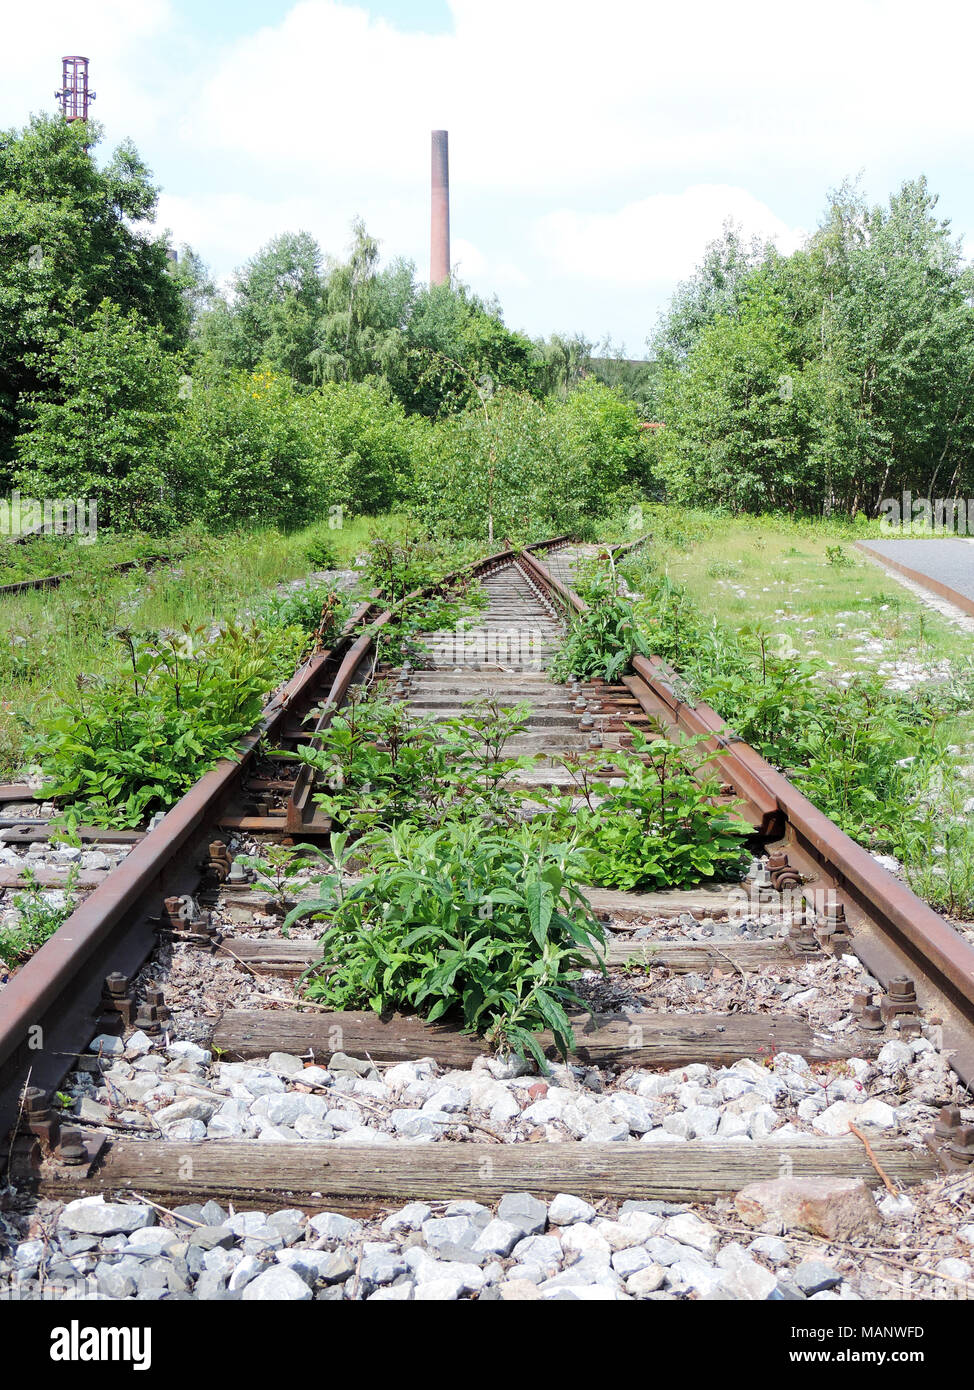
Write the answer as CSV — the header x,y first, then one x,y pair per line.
x,y
708,901
362,1178
684,956
643,1040
31,833
289,959
54,878
17,791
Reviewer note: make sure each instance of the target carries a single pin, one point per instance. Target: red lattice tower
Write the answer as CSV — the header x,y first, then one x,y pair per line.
x,y
74,95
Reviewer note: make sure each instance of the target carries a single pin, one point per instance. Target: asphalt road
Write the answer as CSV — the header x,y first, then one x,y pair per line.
x,y
948,560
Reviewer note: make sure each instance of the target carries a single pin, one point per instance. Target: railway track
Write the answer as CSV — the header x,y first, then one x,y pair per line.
x,y
724,1009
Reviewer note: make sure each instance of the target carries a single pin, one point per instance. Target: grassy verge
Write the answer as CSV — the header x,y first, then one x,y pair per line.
x,y
832,670
806,582
52,642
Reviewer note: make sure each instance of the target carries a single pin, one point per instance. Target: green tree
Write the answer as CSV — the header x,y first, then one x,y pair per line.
x,y
363,445
600,444
712,292
564,360
737,414
364,312
104,428
457,351
247,454
71,236
271,316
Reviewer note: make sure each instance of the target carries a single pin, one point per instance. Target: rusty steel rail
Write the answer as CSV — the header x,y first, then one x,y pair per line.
x,y
52,1006
895,934
49,1004
299,815
52,581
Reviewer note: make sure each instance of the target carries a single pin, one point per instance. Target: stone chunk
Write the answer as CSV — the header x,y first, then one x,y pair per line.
x,y
94,1216
524,1211
690,1230
812,1276
333,1226
836,1119
276,1284
646,1281
750,1281
498,1238
837,1208
566,1210
450,1232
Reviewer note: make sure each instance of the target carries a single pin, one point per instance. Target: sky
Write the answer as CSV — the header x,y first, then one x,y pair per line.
x,y
594,148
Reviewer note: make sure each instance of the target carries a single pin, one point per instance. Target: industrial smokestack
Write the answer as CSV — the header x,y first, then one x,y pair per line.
x,y
440,220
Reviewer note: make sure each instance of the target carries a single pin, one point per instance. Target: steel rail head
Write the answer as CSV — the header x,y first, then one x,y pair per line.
x,y
912,929
47,979
55,994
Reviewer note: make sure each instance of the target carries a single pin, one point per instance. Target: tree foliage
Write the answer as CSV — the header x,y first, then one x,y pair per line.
x,y
829,379
105,426
73,235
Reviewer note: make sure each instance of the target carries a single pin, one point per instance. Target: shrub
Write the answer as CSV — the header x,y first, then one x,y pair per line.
x,y
104,428
488,929
662,828
127,746
363,445
247,454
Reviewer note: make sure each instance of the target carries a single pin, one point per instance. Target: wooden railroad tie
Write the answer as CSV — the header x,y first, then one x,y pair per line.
x,y
642,1040
360,1178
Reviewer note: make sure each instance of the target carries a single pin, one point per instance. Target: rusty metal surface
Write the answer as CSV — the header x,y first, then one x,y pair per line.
x,y
52,1006
17,791
47,1010
51,581
299,815
895,933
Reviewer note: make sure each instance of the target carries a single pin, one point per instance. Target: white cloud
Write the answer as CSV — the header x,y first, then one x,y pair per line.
x,y
232,226
554,94
115,34
657,240
566,121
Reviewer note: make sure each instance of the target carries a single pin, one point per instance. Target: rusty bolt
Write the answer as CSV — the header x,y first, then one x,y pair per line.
x,y
947,1121
900,998
41,1119
35,1101
954,1138
117,997
219,863
152,1014
783,876
802,939
902,989
869,1014
174,913
71,1148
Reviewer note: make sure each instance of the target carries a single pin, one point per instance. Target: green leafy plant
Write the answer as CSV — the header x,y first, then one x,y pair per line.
x,y
662,828
38,918
602,641
277,871
320,554
380,766
488,929
126,746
